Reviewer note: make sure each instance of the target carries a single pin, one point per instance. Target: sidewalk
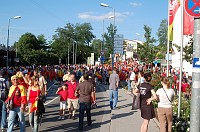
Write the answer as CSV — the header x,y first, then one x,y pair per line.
x,y
124,119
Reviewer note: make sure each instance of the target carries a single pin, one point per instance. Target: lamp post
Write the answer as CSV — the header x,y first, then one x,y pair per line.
x,y
16,17
105,5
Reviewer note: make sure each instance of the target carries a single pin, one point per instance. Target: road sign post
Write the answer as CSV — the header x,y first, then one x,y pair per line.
x,y
195,105
193,8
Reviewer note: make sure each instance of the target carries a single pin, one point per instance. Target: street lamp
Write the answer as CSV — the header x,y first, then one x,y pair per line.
x,y
105,5
16,17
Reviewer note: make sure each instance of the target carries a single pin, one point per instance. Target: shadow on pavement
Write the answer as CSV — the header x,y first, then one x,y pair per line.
x,y
116,116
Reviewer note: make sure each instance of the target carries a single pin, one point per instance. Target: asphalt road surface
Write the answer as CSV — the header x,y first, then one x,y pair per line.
x,y
50,122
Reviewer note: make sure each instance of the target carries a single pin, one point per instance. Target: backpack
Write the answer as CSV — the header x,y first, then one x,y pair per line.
x,y
3,89
40,107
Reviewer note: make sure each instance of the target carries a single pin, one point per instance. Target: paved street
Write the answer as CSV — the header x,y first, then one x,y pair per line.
x,y
50,121
103,119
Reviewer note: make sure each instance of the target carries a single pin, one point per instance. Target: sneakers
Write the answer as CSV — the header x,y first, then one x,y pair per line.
x,y
16,125
59,118
3,130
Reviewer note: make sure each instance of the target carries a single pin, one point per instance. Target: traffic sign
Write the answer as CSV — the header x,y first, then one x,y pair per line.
x,y
102,58
102,53
118,43
196,62
192,7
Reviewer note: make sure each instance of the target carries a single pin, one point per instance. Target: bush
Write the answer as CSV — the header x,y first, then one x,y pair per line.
x,y
181,124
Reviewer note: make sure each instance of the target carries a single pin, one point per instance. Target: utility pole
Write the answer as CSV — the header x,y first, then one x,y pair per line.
x,y
195,100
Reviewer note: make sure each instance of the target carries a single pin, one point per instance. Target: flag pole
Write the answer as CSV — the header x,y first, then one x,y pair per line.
x,y
168,41
181,60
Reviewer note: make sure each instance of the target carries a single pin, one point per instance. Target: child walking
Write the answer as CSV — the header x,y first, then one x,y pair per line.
x,y
63,92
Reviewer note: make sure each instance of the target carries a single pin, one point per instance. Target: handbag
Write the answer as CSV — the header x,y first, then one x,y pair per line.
x,y
40,105
94,106
136,102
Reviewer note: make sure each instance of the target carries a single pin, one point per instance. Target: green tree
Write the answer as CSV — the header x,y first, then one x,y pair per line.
x,y
27,42
187,50
162,39
62,41
32,50
146,51
96,46
79,35
42,42
109,41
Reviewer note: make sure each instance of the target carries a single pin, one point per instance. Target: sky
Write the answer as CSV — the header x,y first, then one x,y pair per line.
x,y
45,16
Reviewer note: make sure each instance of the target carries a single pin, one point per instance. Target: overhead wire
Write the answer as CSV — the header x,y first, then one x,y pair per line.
x,y
46,10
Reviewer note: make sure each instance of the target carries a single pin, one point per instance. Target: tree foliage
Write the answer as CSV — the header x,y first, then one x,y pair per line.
x,y
71,36
187,50
109,40
31,50
146,51
96,47
162,39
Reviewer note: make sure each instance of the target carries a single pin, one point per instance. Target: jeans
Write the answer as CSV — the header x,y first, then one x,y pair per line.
x,y
11,119
124,83
82,107
3,114
129,85
33,121
113,96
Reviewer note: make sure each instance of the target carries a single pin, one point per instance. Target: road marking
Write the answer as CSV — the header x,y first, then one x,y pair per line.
x,y
51,100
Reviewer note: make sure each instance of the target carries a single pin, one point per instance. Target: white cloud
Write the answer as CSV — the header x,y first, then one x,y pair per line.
x,y
135,4
96,16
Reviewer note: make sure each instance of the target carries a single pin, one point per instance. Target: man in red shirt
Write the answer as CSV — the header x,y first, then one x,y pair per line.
x,y
72,98
17,94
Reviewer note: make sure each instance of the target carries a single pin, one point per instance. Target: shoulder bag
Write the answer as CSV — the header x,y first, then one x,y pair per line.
x,y
167,95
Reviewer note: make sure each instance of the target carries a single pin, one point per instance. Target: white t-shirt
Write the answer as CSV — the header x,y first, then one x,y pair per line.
x,y
163,100
132,77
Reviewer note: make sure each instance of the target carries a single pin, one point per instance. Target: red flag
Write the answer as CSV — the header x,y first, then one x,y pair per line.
x,y
188,24
173,7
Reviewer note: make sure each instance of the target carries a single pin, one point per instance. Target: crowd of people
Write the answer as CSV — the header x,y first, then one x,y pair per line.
x,y
23,89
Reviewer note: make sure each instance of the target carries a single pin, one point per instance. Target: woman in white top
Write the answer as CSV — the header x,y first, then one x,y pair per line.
x,y
165,97
140,78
